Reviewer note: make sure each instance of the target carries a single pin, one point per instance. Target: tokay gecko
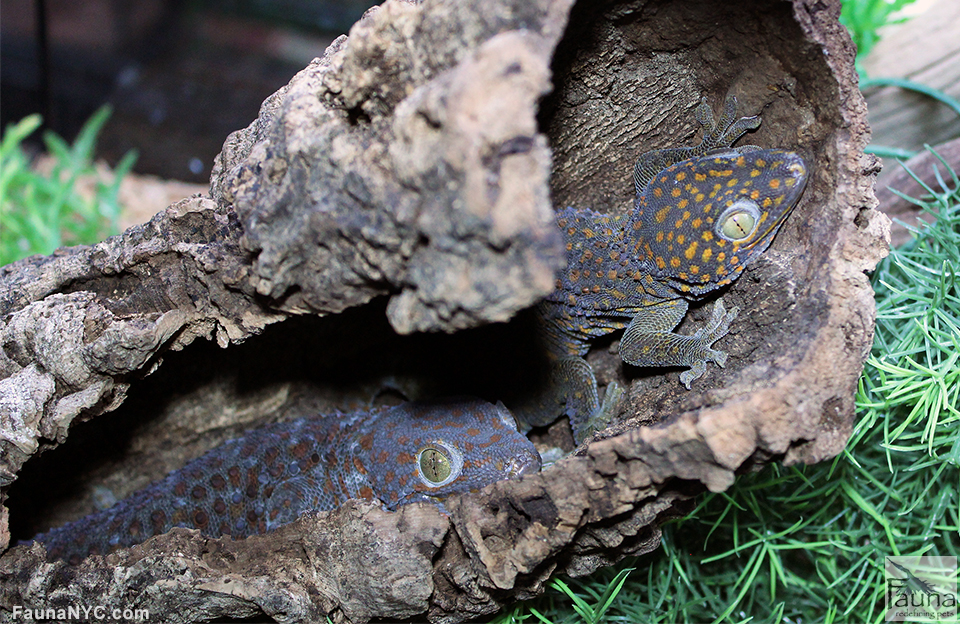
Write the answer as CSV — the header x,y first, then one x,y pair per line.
x,y
421,451
701,215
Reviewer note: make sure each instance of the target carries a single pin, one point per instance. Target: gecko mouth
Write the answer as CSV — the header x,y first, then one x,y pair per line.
x,y
528,464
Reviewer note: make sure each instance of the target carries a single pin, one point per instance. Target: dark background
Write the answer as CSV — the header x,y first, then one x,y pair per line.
x,y
179,74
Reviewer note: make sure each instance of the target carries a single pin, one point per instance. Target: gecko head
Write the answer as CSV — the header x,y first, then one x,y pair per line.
x,y
701,221
448,447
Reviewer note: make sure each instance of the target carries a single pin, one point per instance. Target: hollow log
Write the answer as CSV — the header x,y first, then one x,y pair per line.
x,y
380,229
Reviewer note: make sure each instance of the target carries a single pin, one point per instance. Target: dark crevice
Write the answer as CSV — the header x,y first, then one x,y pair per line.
x,y
356,116
355,355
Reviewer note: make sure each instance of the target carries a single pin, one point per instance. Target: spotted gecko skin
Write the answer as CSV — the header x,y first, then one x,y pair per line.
x,y
701,215
421,451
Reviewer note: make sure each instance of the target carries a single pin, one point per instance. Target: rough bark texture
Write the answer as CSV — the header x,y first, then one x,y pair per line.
x,y
403,183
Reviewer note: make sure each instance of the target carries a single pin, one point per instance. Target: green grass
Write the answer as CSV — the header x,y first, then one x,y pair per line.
x,y
807,543
39,213
864,18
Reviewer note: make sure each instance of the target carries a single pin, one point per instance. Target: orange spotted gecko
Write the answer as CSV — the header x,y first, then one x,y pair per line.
x,y
701,215
420,451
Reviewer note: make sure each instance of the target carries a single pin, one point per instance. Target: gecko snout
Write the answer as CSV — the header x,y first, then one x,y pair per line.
x,y
528,463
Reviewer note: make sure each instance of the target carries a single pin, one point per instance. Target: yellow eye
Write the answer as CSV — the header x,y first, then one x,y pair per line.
x,y
434,465
738,225
739,222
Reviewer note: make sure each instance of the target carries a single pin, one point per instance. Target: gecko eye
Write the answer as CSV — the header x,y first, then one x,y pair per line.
x,y
739,221
438,464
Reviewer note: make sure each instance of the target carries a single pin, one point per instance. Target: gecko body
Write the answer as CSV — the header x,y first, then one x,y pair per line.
x,y
421,451
701,215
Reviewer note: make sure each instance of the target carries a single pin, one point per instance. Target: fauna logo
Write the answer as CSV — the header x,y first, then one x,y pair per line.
x,y
921,589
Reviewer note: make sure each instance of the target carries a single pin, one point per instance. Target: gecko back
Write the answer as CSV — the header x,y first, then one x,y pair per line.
x,y
425,451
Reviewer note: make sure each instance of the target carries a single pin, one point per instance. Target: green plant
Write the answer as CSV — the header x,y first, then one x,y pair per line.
x,y
807,543
863,18
39,213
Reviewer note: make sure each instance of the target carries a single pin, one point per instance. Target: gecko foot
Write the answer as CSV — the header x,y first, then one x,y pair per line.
x,y
714,330
605,415
724,131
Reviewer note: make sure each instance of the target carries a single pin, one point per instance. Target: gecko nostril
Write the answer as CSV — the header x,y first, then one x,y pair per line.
x,y
527,464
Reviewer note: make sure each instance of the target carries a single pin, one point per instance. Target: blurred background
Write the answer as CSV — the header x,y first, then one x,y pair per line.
x,y
180,75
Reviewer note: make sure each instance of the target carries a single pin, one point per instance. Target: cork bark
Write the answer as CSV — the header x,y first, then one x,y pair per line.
x,y
380,230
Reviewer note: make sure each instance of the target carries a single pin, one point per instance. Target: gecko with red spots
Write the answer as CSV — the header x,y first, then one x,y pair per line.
x,y
421,451
701,215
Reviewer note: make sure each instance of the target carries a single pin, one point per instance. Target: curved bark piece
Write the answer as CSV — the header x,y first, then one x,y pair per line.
x,y
77,323
408,164
412,161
